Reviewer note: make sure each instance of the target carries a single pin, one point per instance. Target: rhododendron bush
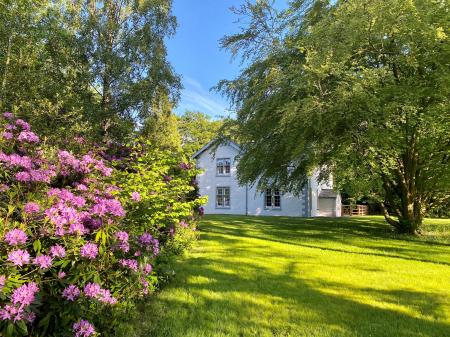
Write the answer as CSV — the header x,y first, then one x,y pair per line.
x,y
82,238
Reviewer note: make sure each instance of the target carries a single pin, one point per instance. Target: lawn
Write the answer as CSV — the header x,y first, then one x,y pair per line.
x,y
261,276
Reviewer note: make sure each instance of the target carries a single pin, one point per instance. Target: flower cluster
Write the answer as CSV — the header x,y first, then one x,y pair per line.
x,y
21,298
93,290
89,251
149,242
83,329
69,224
16,237
129,263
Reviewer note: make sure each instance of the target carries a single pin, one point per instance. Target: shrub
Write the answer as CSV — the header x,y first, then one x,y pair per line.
x,y
80,241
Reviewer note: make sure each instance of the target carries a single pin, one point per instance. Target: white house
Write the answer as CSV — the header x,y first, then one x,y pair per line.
x,y
218,181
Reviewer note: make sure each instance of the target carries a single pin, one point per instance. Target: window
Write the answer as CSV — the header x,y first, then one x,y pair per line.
x,y
272,198
223,197
223,166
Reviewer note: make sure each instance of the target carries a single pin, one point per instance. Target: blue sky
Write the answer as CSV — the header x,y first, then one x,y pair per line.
x,y
195,53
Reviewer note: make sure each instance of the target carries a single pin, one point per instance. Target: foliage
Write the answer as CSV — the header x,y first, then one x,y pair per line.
x,y
292,277
92,68
197,129
79,240
358,88
161,128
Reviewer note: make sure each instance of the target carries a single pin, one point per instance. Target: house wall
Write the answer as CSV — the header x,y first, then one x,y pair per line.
x,y
247,200
208,181
291,205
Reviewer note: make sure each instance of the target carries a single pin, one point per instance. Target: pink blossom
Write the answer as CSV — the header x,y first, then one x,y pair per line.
x,y
89,251
92,290
24,125
29,317
28,137
19,257
57,251
83,329
71,292
43,261
122,236
147,268
25,294
61,275
8,115
16,237
135,196
4,187
7,135
129,263
11,312
31,207
2,282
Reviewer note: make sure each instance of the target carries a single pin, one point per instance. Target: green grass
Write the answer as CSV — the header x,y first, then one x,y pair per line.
x,y
261,276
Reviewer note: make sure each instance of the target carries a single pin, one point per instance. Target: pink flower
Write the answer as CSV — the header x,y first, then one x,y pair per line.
x,y
147,268
8,115
135,196
24,125
7,135
122,236
146,238
2,282
28,137
16,237
91,290
83,329
105,296
23,176
29,317
43,261
31,207
183,224
61,275
89,251
57,251
71,292
4,187
19,257
25,294
129,263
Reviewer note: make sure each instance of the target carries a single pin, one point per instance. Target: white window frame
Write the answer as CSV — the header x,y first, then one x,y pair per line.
x,y
223,167
272,195
221,197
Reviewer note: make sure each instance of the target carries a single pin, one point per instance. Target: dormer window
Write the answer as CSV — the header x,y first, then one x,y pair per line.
x,y
223,166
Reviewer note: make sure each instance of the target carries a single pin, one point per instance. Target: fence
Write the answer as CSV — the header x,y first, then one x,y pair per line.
x,y
350,210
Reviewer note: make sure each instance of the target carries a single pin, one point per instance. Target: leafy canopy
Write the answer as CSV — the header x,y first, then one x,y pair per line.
x,y
359,88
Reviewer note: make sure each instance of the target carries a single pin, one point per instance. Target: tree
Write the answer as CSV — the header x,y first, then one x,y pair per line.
x,y
358,88
42,76
161,128
86,67
124,43
197,129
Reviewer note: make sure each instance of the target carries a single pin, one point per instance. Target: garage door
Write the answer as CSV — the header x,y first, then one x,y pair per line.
x,y
327,207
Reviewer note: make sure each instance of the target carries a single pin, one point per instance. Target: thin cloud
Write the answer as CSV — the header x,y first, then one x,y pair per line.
x,y
195,97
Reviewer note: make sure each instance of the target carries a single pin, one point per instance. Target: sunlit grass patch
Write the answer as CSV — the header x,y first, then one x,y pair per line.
x,y
264,276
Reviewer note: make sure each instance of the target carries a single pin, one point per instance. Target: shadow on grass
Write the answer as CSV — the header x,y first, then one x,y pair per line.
x,y
361,236
231,305
218,297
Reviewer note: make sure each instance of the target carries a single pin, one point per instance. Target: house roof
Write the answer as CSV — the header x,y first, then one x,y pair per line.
x,y
211,143
327,193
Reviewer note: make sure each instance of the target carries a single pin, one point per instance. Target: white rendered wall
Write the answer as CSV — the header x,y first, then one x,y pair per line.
x,y
208,181
253,203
